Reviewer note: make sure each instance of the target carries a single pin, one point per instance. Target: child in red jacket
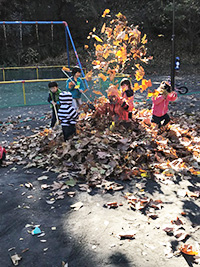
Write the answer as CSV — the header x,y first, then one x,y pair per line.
x,y
160,104
117,107
127,91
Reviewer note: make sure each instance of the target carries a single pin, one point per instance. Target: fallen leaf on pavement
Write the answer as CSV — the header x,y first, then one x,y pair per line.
x,y
126,234
187,249
177,221
77,206
15,259
111,205
71,194
44,177
29,185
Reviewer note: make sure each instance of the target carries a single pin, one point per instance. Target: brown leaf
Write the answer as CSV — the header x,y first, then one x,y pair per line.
x,y
126,234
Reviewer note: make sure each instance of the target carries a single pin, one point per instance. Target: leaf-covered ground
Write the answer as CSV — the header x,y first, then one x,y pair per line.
x,y
109,196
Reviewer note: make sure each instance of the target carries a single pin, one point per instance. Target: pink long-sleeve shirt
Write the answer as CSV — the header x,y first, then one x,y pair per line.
x,y
160,104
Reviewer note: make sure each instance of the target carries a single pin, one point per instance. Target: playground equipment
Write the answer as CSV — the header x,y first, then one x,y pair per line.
x,y
21,91
68,37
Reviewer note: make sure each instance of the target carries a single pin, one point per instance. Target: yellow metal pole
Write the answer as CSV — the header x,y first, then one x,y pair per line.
x,y
4,76
23,86
37,72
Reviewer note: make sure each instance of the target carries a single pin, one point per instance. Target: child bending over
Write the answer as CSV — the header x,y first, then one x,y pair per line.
x,y
117,107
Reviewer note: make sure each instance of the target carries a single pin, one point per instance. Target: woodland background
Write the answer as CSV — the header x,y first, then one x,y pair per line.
x,y
48,46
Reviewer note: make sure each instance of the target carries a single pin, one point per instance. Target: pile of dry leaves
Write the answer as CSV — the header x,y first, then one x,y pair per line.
x,y
104,151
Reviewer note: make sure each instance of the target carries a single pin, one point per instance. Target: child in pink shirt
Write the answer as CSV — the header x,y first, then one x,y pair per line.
x,y
160,104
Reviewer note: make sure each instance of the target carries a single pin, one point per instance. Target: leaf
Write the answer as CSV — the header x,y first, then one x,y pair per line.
x,y
71,194
77,206
97,38
103,28
88,75
144,40
44,186
103,77
187,249
139,74
136,87
121,35
71,182
97,92
106,12
122,53
103,155
15,259
177,221
57,185
29,185
50,202
180,235
126,234
153,94
44,177
66,69
111,205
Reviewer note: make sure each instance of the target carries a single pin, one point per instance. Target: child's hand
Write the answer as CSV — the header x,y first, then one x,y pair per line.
x,y
81,90
53,103
173,94
165,94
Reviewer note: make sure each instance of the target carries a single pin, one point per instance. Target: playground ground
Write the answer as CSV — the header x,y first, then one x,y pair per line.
x,y
88,236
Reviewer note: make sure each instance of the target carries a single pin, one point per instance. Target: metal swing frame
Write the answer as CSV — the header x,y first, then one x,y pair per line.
x,y
68,37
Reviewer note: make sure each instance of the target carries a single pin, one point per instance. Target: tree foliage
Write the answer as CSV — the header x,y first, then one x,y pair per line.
x,y
153,17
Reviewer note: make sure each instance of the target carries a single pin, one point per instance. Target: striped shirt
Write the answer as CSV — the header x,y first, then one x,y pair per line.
x,y
66,113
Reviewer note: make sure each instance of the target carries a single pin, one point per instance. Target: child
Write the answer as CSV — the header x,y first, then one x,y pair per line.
x,y
160,104
75,86
117,107
67,115
53,99
2,154
128,94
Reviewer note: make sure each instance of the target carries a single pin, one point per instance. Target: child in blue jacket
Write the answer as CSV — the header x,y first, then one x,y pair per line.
x,y
75,86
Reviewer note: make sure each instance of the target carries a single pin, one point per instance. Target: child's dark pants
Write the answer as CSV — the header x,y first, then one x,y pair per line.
x,y
158,120
68,131
53,117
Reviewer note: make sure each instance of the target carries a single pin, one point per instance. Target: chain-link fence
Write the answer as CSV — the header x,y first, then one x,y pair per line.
x,y
29,86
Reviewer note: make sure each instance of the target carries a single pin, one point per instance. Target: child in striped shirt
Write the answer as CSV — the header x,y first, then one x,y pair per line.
x,y
67,115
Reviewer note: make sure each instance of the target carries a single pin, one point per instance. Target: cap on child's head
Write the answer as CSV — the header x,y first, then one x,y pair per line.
x,y
53,84
75,70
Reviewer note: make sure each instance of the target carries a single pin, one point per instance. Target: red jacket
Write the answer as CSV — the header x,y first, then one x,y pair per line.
x,y
129,100
160,104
